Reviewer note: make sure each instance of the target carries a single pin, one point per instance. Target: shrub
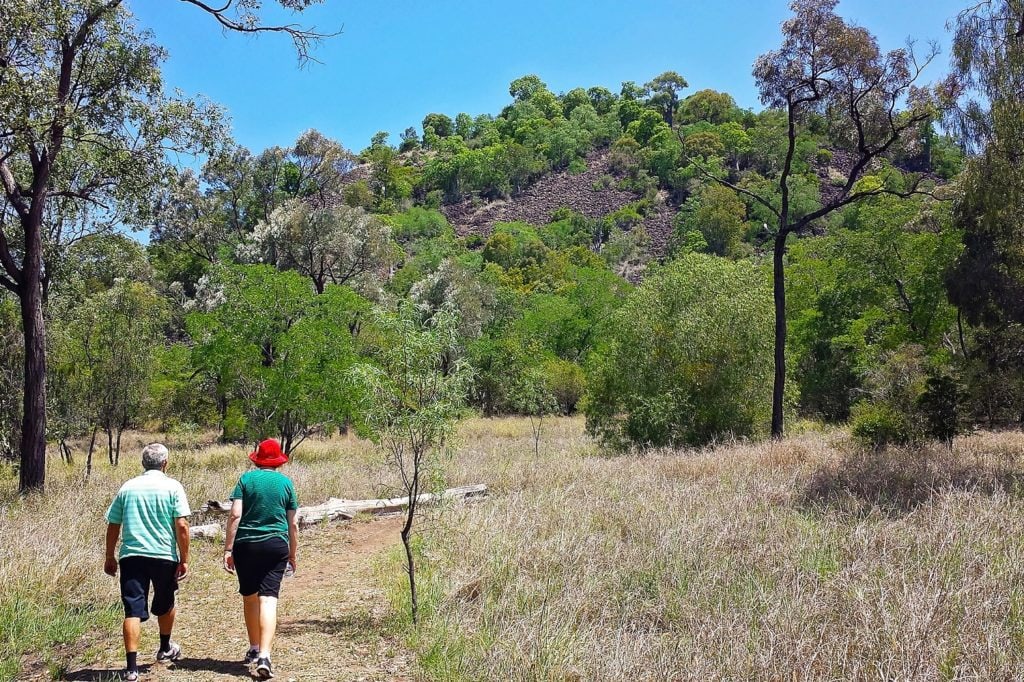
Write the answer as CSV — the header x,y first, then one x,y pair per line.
x,y
879,424
940,408
688,359
566,382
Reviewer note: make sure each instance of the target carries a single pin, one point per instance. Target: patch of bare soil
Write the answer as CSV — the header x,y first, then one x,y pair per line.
x,y
332,617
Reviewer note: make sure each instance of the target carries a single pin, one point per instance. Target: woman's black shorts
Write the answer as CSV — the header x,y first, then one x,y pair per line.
x,y
260,566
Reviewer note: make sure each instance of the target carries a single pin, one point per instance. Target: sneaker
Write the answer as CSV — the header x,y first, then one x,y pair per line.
x,y
263,669
173,653
251,656
131,676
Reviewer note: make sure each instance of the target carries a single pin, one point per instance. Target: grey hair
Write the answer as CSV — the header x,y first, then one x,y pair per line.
x,y
154,456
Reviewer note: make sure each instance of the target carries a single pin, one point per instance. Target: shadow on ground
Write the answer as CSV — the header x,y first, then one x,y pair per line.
x,y
350,624
896,481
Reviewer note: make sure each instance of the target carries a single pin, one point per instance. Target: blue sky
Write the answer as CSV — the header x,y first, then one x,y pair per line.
x,y
397,61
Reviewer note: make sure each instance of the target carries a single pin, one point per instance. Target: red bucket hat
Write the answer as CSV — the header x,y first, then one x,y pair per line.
x,y
268,454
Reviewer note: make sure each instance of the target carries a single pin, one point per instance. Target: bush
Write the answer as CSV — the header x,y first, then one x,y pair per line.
x,y
689,358
880,424
566,382
940,408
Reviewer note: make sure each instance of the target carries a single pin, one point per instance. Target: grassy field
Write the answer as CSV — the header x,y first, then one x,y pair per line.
x,y
807,559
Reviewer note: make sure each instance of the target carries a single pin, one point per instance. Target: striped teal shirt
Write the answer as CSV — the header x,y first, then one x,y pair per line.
x,y
146,507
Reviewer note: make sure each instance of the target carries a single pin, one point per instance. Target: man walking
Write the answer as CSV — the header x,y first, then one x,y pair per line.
x,y
150,514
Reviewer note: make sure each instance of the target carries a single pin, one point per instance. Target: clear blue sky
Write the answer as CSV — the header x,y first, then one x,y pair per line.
x,y
399,60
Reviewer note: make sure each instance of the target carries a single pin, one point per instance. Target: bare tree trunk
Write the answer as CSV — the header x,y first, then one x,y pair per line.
x,y
410,563
33,425
117,447
779,288
536,423
410,515
65,452
110,445
92,447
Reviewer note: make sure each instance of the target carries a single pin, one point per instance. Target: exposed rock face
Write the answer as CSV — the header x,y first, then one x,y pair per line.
x,y
539,202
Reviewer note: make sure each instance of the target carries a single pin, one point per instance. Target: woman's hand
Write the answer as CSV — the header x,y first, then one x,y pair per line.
x,y
229,561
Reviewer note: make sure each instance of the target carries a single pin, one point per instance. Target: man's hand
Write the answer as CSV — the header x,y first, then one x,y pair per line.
x,y
294,565
182,571
110,566
229,562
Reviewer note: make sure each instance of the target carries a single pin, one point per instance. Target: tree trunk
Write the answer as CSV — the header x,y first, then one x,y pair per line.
x,y
410,563
33,425
779,287
117,447
110,445
92,447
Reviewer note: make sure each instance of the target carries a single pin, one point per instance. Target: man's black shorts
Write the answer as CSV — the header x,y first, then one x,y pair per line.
x,y
137,572
260,566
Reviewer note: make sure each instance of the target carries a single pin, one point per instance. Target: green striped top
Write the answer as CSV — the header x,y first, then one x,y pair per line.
x,y
146,508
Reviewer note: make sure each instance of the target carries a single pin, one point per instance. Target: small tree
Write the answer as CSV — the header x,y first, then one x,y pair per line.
x,y
532,395
412,398
117,332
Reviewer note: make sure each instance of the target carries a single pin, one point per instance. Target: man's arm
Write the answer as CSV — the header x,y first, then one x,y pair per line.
x,y
181,531
229,534
293,537
110,561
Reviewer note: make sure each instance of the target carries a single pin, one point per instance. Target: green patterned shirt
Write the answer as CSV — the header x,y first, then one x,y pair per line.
x,y
266,497
146,508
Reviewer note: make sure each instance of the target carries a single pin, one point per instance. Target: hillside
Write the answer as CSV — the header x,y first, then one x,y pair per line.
x,y
581,192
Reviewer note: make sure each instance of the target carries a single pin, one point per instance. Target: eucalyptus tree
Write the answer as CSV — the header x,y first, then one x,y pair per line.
x,y
338,245
829,68
987,282
665,91
84,129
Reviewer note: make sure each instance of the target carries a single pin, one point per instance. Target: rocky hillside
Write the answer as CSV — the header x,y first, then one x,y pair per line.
x,y
582,192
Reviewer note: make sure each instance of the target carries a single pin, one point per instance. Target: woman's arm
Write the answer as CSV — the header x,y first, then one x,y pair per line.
x,y
229,535
293,537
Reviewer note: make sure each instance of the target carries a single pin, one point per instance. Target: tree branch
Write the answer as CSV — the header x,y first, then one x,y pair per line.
x,y
302,38
13,190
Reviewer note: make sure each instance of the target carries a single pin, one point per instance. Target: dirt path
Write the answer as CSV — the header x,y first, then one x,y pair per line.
x,y
332,617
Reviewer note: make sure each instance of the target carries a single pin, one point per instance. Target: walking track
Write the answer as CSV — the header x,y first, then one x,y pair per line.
x,y
332,617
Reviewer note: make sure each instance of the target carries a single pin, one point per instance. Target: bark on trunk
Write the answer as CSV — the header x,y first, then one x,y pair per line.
x,y
779,288
33,424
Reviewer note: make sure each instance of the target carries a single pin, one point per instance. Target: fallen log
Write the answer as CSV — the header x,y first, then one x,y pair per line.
x,y
336,508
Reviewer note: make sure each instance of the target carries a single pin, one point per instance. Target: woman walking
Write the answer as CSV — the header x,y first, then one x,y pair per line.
x,y
261,541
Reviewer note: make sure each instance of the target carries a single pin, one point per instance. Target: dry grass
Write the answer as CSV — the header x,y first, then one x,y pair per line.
x,y
803,560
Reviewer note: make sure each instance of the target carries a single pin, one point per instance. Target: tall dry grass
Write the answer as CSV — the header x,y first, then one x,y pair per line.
x,y
806,560
801,560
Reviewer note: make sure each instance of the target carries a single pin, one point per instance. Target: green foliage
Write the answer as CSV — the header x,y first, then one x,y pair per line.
x,y
281,352
940,406
880,424
718,215
103,360
688,358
